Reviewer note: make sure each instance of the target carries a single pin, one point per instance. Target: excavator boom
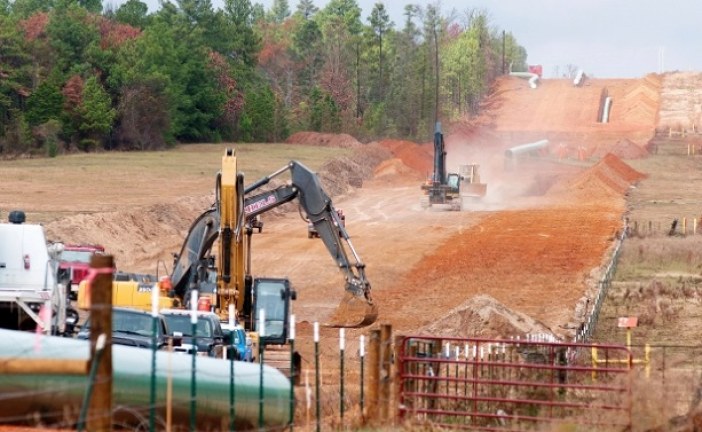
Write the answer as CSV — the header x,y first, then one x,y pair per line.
x,y
356,308
226,221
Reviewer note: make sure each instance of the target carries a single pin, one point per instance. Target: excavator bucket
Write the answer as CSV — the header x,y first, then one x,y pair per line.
x,y
354,311
477,190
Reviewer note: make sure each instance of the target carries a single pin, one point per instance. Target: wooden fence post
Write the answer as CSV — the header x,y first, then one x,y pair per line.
x,y
100,407
385,371
397,372
373,376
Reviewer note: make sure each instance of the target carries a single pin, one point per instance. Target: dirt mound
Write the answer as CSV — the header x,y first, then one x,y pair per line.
x,y
623,148
342,174
393,168
611,174
323,139
138,238
483,316
641,100
412,154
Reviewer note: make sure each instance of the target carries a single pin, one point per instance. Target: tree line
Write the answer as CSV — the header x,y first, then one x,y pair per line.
x,y
77,76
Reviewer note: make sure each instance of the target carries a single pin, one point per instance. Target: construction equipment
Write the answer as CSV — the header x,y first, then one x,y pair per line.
x,y
470,185
357,308
312,231
450,189
229,221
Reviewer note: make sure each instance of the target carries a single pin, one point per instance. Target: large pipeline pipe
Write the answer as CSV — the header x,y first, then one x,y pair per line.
x,y
525,148
607,107
52,396
532,77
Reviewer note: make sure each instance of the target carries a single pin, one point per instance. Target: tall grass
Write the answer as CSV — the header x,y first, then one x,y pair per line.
x,y
643,258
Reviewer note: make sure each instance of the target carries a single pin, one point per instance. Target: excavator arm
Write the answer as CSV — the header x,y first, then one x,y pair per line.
x,y
226,220
196,248
357,308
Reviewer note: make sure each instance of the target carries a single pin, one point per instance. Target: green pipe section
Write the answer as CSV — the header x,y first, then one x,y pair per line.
x,y
53,395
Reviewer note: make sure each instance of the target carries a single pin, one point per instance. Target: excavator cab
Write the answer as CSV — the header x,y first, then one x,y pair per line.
x,y
453,181
272,296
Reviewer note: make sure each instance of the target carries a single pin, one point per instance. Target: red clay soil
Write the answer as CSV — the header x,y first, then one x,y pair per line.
x,y
567,115
412,154
535,261
623,148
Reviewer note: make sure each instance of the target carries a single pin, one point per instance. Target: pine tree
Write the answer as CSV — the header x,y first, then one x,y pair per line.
x,y
96,110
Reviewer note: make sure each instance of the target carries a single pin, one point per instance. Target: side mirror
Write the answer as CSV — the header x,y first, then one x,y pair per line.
x,y
177,339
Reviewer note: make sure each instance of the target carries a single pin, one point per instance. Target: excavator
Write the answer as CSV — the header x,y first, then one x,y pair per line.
x,y
450,188
231,220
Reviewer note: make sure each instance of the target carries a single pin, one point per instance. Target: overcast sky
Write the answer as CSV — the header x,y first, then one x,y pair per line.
x,y
606,38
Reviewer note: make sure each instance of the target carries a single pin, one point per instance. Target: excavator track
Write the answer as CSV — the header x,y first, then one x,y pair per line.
x,y
354,311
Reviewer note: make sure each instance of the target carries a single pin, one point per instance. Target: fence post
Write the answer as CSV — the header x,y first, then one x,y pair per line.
x,y
316,374
397,378
100,405
342,344
362,355
373,375
385,371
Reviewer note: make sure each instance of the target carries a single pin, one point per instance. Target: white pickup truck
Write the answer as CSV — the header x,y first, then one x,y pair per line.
x,y
28,269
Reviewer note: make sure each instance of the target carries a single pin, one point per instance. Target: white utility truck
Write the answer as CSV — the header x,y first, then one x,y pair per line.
x,y
30,295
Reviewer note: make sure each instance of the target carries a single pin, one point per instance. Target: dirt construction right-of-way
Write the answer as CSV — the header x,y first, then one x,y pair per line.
x,y
533,247
524,259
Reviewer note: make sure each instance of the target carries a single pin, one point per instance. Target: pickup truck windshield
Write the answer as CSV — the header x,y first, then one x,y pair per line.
x,y
182,324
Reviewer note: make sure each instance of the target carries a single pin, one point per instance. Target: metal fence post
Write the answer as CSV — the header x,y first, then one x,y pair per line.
x,y
291,337
341,375
193,388
154,343
261,335
316,375
362,353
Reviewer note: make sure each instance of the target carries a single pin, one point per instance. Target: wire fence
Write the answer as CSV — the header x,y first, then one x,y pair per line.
x,y
348,389
585,332
680,226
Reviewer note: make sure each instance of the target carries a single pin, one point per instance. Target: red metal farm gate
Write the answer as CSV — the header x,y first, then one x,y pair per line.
x,y
499,385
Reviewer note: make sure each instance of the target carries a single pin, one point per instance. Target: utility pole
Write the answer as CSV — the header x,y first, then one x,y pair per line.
x,y
504,38
436,67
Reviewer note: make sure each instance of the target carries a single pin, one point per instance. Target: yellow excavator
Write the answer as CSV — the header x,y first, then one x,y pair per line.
x,y
231,221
